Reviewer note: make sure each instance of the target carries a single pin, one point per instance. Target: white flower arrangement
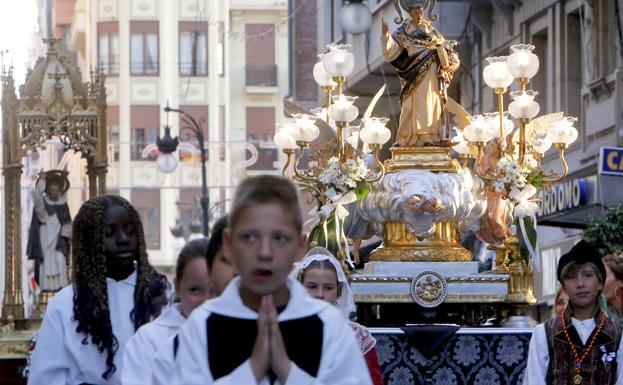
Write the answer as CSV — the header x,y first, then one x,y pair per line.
x,y
345,176
518,183
510,174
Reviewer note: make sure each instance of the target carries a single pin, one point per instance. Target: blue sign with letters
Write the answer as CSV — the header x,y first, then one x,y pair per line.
x,y
565,195
611,161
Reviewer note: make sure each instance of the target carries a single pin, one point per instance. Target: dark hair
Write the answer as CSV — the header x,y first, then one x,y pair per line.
x,y
216,240
90,302
266,189
615,263
192,250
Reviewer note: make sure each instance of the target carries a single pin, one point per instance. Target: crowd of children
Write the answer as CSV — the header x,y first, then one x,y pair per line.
x,y
119,322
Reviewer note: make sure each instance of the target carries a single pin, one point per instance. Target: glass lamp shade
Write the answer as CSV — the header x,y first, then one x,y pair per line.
x,y
493,120
496,73
523,105
338,61
374,131
479,130
522,63
563,131
283,137
542,145
305,128
343,109
166,162
355,18
321,76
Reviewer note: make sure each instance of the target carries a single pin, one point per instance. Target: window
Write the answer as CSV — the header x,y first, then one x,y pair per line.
x,y
147,203
108,47
145,121
260,55
221,49
193,48
144,48
112,123
260,131
574,65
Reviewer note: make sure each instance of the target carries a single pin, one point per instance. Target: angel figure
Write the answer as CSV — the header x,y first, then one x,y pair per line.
x,y
494,229
49,236
425,62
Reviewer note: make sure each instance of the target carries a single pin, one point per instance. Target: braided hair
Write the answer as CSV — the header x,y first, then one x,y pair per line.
x,y
90,302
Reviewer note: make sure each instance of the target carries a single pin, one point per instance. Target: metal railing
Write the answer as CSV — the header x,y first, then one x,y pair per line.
x,y
261,75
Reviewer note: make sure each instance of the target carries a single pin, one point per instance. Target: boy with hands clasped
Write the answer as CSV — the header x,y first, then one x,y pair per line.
x,y
265,328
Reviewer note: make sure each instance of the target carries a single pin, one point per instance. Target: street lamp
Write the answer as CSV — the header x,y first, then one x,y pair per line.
x,y
167,163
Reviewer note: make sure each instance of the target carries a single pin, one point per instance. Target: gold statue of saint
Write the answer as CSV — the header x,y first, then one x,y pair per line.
x,y
425,62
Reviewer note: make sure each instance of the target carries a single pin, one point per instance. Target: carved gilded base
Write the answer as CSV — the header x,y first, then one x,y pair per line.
x,y
421,158
520,286
399,245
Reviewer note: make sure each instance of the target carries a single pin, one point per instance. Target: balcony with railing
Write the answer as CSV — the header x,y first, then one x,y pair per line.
x,y
261,78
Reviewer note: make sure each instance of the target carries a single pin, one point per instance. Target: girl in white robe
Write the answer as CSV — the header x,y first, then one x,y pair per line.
x,y
192,289
221,270
323,277
114,291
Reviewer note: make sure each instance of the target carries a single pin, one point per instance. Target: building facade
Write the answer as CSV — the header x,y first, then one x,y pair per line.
x,y
581,73
223,62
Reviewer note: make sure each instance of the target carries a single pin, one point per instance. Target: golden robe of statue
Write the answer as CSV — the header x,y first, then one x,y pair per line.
x,y
425,63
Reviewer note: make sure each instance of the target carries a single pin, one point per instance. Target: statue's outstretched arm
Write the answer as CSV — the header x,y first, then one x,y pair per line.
x,y
391,49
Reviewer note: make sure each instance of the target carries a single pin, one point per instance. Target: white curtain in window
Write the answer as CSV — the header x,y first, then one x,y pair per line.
x,y
136,53
114,53
202,54
104,53
186,55
151,54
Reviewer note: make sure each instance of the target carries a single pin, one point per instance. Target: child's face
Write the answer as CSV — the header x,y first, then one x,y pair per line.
x,y
193,288
561,303
223,270
582,286
611,284
321,284
264,244
120,236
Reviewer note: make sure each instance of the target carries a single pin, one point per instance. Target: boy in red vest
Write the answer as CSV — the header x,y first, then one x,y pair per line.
x,y
582,345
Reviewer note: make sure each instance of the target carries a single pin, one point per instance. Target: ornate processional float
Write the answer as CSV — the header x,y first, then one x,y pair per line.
x,y
436,187
54,103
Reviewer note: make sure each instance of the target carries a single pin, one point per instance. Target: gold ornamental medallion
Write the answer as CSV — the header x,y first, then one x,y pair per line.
x,y
577,379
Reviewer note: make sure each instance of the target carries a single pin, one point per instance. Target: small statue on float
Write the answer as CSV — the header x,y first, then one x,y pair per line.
x,y
49,236
425,63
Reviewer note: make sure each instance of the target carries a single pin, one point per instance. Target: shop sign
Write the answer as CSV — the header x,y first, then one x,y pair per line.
x,y
563,196
611,161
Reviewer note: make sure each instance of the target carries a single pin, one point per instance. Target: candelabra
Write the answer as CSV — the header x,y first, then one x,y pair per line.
x,y
509,159
342,158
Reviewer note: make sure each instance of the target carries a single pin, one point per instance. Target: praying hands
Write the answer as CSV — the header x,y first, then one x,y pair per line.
x,y
269,351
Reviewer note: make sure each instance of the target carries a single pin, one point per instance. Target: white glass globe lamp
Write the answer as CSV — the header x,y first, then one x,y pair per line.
x,y
523,105
283,137
166,162
304,128
478,130
563,131
338,62
496,73
343,109
321,76
522,63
